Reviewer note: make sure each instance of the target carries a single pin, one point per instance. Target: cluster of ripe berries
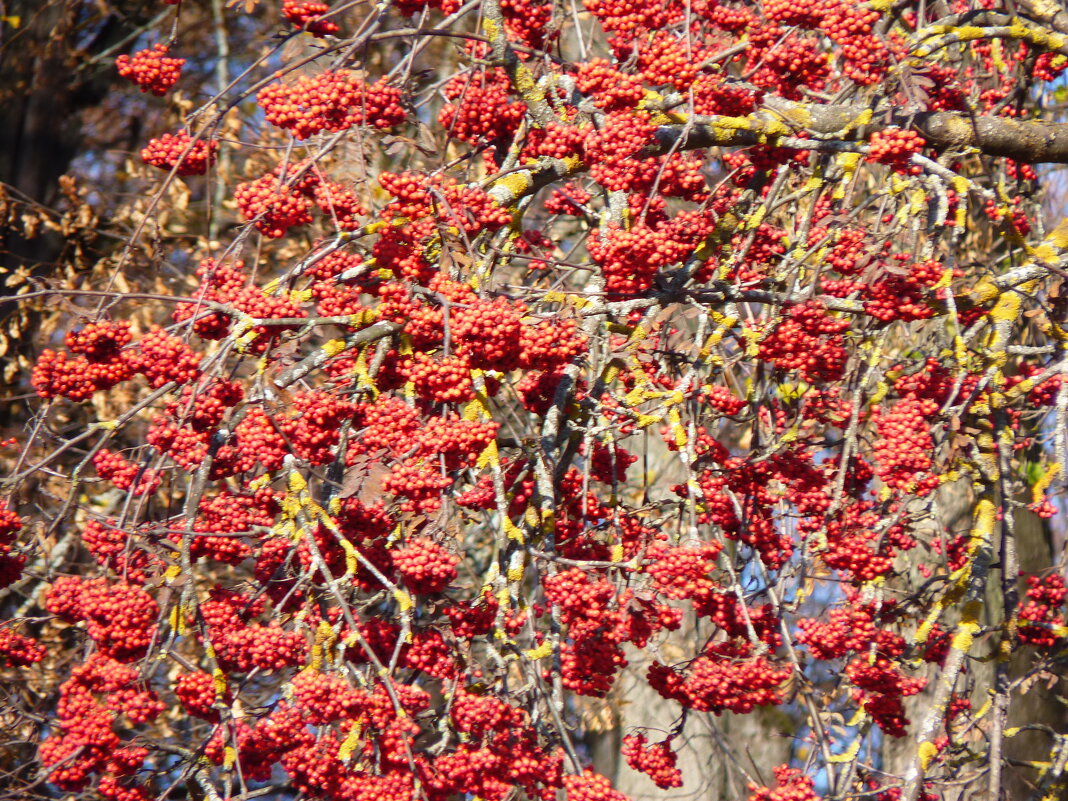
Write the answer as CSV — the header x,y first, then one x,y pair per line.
x,y
151,69
809,340
895,147
792,785
179,152
307,14
283,199
120,617
657,761
124,474
11,562
84,742
330,101
425,567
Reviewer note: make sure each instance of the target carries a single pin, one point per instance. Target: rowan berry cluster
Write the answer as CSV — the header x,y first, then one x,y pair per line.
x,y
590,786
684,571
481,107
259,443
809,340
18,650
285,197
469,620
225,515
609,89
420,482
748,485
181,153
124,474
905,297
218,283
113,549
324,697
1042,619
880,688
856,546
84,742
657,761
198,694
241,646
903,450
789,62
271,206
1049,66
306,14
612,149
631,17
11,562
528,21
895,147
151,69
340,204
330,101
792,785
103,365
425,567
726,678
439,379
599,621
163,358
312,424
120,617
631,259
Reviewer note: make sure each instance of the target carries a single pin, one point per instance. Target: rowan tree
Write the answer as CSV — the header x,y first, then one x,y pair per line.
x,y
442,377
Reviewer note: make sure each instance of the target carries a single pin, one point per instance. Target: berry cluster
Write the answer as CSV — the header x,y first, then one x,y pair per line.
x,y
312,424
904,297
18,650
630,259
612,150
162,359
793,785
179,152
272,206
685,571
903,450
120,617
425,567
118,551
895,146
151,69
726,678
11,563
657,761
124,474
590,786
307,14
481,107
241,646
1041,617
102,363
198,694
809,340
284,198
330,101
84,742
880,688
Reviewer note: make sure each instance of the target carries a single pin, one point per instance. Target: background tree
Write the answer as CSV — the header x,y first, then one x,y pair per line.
x,y
535,400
